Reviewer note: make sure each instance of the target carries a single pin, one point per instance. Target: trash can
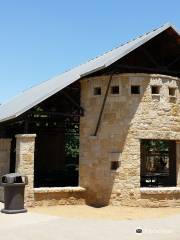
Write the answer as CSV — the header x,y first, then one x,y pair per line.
x,y
14,185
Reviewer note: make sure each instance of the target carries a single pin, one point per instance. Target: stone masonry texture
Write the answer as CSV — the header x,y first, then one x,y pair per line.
x,y
25,147
127,118
25,144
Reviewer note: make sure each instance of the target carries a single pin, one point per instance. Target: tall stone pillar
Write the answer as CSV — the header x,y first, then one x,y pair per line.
x,y
25,147
5,148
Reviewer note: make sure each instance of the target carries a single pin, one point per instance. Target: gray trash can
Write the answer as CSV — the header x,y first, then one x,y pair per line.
x,y
14,185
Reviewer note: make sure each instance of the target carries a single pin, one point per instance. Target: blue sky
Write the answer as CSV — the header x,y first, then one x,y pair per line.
x,y
42,38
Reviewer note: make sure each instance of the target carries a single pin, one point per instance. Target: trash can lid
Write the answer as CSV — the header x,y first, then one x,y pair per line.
x,y
12,178
12,175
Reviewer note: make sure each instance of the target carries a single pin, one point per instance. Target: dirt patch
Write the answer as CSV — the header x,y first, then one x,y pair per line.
x,y
109,212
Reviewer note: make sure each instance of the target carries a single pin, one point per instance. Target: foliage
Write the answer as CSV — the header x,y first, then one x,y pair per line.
x,y
155,145
72,142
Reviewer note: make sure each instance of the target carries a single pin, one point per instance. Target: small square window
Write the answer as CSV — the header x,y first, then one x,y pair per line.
x,y
172,91
155,89
97,91
114,165
115,90
135,89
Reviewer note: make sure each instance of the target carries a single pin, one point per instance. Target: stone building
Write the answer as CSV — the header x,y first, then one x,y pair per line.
x,y
105,132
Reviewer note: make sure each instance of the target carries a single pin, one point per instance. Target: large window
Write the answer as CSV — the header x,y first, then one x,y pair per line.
x,y
158,163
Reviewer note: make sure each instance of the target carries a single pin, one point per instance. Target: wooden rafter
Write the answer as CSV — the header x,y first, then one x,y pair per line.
x,y
74,102
150,57
48,114
160,69
173,62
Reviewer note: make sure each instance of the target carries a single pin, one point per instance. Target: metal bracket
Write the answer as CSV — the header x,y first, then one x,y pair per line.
x,y
103,105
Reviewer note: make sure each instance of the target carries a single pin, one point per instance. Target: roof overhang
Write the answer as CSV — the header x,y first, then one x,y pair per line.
x,y
35,95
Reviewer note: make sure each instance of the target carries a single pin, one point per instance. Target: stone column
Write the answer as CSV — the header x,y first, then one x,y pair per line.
x,y
5,148
25,146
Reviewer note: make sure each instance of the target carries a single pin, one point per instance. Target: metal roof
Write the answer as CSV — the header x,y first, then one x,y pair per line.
x,y
33,96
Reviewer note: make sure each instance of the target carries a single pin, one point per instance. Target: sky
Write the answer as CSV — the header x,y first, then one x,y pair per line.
x,y
43,38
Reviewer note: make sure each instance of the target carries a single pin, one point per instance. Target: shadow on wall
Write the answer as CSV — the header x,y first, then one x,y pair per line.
x,y
105,183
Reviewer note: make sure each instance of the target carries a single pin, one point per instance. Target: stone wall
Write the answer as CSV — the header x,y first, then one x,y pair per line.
x,y
127,118
59,196
25,145
5,147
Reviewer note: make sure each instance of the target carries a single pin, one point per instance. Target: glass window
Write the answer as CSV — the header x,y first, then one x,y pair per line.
x,y
158,163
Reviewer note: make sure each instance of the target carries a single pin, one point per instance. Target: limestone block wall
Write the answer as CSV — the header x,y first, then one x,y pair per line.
x,y
5,147
25,145
127,119
59,196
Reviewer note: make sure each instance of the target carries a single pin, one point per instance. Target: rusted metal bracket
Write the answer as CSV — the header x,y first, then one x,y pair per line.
x,y
103,105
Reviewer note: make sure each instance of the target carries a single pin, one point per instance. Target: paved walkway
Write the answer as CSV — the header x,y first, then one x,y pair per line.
x,y
33,226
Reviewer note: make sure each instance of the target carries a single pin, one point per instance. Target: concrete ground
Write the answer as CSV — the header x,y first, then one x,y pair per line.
x,y
108,212
35,226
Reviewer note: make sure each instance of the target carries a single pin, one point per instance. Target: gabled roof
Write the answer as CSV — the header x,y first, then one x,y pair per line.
x,y
33,96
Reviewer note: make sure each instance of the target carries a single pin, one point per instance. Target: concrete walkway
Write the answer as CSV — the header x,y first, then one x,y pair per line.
x,y
32,226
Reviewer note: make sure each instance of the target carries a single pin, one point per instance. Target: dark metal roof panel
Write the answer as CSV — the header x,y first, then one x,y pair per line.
x,y
39,93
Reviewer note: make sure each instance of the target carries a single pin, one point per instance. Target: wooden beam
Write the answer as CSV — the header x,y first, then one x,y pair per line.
x,y
45,115
14,121
150,57
73,102
140,68
173,62
136,67
26,126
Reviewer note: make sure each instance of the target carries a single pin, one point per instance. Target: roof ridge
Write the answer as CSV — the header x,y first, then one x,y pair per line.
x,y
121,45
100,55
41,91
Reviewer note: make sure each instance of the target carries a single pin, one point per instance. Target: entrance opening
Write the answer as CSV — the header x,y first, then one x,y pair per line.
x,y
56,123
57,157
158,163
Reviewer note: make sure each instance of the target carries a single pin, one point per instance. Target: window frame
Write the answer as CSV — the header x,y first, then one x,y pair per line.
x,y
159,179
